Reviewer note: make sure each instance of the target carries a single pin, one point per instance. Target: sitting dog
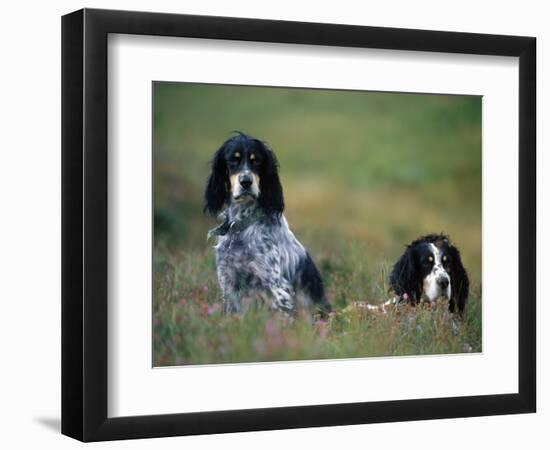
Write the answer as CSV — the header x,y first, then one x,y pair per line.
x,y
430,269
258,258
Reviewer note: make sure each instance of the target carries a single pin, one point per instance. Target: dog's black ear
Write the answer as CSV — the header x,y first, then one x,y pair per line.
x,y
460,283
271,192
217,186
405,278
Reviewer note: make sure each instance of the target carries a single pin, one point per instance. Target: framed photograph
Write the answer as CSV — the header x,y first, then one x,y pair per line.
x,y
272,224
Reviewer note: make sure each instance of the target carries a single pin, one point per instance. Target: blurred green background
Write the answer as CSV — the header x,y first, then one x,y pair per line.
x,y
376,169
363,173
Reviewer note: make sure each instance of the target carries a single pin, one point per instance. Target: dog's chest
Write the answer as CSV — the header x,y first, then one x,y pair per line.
x,y
263,251
239,249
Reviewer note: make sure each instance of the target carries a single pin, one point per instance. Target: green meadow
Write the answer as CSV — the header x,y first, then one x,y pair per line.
x,y
363,174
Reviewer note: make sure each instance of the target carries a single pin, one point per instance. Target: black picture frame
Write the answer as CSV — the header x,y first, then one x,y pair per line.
x,y
84,224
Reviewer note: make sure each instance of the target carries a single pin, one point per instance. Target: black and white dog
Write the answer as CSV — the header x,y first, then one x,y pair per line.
x,y
430,269
259,260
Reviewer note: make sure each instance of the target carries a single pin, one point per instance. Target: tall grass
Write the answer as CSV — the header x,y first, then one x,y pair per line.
x,y
189,326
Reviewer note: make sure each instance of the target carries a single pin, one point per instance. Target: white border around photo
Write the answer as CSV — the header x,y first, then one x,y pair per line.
x,y
136,388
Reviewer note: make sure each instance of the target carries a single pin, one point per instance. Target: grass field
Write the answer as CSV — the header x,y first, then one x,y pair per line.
x,y
363,174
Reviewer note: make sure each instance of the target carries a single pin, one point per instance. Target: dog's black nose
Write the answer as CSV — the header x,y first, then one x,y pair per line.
x,y
443,282
246,181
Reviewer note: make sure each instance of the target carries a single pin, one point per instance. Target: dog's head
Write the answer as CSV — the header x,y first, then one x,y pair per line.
x,y
244,170
431,268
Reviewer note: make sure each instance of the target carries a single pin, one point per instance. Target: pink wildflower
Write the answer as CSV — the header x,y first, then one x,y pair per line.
x,y
213,309
323,329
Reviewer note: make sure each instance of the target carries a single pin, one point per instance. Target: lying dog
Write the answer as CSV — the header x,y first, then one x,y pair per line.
x,y
430,269
258,258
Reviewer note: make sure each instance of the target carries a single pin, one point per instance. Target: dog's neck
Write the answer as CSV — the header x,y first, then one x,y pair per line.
x,y
236,217
242,211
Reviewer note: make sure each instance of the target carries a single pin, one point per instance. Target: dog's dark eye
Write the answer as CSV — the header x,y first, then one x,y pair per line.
x,y
235,157
233,163
254,160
